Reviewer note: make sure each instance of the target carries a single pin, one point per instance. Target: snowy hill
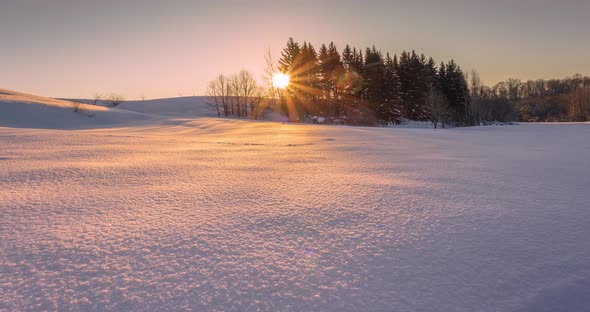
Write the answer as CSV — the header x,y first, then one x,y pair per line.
x,y
22,110
181,107
192,106
188,106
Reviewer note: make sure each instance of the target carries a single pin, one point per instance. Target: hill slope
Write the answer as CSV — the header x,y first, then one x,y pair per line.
x,y
191,106
22,110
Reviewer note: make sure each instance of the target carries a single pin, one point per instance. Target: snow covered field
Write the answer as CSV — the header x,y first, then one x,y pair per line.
x,y
145,212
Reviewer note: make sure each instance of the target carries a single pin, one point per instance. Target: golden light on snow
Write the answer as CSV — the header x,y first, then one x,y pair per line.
x,y
280,80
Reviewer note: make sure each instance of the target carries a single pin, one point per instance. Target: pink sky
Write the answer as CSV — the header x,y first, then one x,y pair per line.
x,y
155,49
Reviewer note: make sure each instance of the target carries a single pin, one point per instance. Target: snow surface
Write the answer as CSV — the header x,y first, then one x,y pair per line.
x,y
152,213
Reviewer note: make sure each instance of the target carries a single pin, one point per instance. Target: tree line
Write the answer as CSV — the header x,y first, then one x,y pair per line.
x,y
236,95
371,87
352,87
552,100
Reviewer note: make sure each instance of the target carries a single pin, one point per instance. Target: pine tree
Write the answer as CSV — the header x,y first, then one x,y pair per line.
x,y
289,61
336,73
374,83
347,57
351,83
454,87
312,69
324,78
331,70
408,79
392,90
306,79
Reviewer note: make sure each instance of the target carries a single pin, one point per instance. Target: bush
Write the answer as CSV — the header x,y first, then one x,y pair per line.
x,y
77,107
115,99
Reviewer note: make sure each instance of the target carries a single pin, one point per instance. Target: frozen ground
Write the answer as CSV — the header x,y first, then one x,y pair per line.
x,y
159,213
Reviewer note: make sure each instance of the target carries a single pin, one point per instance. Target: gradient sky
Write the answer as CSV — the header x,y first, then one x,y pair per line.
x,y
159,48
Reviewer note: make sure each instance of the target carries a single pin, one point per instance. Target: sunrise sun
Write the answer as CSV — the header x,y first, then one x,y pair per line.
x,y
280,80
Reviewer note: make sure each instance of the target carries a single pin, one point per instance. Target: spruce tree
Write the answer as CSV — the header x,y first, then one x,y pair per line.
x,y
454,87
408,78
289,61
374,83
336,73
306,79
392,97
324,78
347,57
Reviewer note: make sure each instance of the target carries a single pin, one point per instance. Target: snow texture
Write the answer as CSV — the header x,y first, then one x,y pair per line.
x,y
145,213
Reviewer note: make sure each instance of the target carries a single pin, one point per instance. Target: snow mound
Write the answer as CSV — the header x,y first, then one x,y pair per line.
x,y
22,110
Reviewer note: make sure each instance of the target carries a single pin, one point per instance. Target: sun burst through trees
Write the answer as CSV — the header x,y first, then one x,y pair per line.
x,y
369,88
281,80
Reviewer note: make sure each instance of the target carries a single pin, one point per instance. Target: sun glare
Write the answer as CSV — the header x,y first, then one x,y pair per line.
x,y
280,80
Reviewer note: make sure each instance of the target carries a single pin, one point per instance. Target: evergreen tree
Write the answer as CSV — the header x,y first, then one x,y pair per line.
x,y
374,83
391,95
306,79
347,57
359,67
346,82
324,78
289,61
454,87
336,73
331,69
351,82
432,74
409,77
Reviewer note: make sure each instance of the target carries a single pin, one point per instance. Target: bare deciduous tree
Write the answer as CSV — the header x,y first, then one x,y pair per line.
x,y
96,98
218,92
270,71
275,96
579,104
115,99
77,107
258,104
235,95
246,90
215,96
